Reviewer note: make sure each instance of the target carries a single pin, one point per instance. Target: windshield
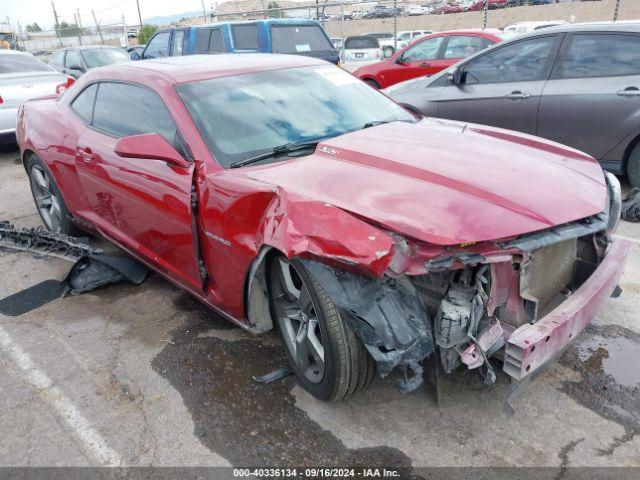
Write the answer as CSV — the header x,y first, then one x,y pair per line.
x,y
17,63
243,116
298,39
103,56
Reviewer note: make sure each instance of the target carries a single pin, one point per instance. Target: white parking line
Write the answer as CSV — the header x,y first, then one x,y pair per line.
x,y
91,440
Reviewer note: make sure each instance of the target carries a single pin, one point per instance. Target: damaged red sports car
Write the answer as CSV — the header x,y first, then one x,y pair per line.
x,y
284,193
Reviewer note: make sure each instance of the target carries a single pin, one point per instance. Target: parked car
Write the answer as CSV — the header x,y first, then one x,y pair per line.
x,y
387,42
380,11
528,27
427,56
446,9
282,192
363,48
415,9
337,42
578,85
406,37
75,61
23,77
358,14
290,36
493,4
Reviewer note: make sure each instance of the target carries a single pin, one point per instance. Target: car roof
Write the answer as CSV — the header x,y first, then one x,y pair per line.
x,y
89,47
267,21
190,68
630,27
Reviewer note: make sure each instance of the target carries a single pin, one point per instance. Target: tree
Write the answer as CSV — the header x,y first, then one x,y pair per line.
x,y
34,27
145,33
69,29
273,10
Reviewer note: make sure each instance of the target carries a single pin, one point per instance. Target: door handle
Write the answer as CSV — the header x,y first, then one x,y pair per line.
x,y
425,64
517,95
629,92
86,153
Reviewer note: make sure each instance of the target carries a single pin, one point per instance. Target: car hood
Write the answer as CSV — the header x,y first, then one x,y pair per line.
x,y
446,182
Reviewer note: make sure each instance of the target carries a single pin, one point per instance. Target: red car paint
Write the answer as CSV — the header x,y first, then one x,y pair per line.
x,y
438,183
389,72
479,5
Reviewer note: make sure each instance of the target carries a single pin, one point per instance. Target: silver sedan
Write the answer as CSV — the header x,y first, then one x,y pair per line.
x,y
22,78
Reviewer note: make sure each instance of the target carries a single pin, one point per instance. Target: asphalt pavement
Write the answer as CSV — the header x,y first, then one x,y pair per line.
x,y
146,376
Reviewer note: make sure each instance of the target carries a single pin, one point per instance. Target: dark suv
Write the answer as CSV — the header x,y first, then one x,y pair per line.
x,y
578,85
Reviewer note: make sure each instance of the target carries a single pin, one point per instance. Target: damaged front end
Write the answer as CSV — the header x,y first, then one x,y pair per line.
x,y
517,302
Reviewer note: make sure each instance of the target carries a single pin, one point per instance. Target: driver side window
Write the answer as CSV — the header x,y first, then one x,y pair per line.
x,y
523,61
158,47
425,50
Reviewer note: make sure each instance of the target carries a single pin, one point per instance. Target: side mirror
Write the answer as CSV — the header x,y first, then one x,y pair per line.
x,y
135,56
149,146
455,76
77,68
399,60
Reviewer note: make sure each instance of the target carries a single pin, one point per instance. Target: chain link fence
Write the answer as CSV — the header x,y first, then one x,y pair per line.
x,y
44,41
404,20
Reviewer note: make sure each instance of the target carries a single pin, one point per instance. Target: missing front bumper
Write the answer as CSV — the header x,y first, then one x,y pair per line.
x,y
531,346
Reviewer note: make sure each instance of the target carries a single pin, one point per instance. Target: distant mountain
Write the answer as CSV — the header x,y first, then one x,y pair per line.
x,y
166,20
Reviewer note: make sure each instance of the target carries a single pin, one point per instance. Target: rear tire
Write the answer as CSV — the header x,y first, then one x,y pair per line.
x,y
347,367
372,83
49,202
633,166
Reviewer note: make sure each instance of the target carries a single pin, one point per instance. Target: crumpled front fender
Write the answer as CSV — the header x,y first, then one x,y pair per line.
x,y
387,314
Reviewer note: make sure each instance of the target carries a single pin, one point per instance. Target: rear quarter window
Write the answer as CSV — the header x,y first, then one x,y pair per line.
x,y
83,103
298,39
601,55
209,40
245,37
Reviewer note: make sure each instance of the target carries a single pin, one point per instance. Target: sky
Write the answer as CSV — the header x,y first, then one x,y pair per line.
x,y
107,11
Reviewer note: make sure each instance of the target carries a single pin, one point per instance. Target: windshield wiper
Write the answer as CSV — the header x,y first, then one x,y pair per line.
x,y
375,123
276,151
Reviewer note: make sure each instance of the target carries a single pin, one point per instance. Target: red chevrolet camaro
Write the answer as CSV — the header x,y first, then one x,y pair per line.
x,y
427,56
283,192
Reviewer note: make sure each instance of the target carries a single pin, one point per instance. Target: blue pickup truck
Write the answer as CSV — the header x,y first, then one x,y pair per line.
x,y
291,36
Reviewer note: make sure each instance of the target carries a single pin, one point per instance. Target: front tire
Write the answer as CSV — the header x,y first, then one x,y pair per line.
x,y
49,202
633,166
329,360
388,51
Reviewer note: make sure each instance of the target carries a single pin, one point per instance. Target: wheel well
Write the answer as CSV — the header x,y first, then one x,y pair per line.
x,y
25,157
627,152
256,290
371,80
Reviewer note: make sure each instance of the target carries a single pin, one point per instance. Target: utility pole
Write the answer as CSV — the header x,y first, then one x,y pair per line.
x,y
79,23
55,15
204,12
139,16
126,34
75,21
97,26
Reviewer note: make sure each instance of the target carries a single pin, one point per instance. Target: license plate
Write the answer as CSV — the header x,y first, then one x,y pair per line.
x,y
359,55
